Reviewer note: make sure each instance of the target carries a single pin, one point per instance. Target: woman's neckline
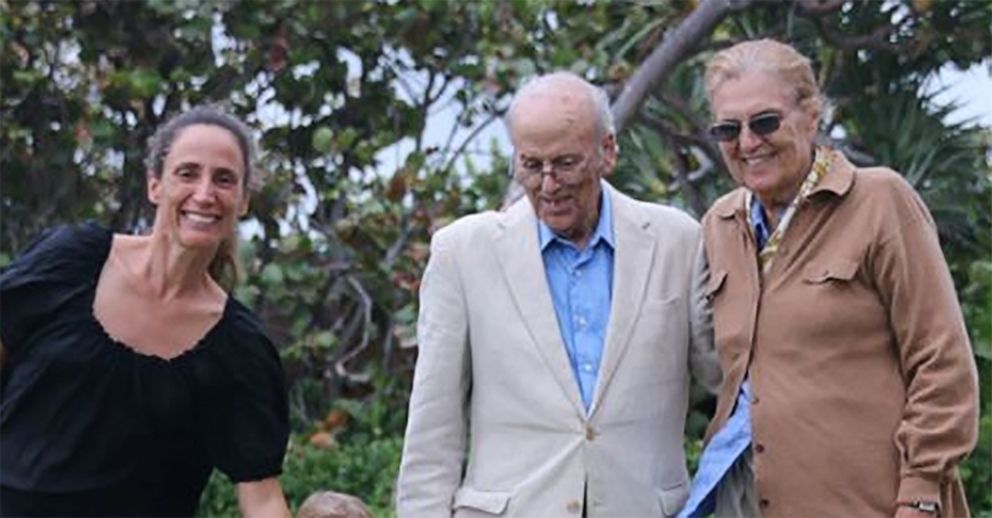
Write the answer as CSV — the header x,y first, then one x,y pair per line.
x,y
185,352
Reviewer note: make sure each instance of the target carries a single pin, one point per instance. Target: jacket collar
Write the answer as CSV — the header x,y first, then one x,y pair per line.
x,y
839,177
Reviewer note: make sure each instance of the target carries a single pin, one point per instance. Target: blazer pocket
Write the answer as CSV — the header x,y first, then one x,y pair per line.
x,y
673,498
492,502
717,279
657,303
833,270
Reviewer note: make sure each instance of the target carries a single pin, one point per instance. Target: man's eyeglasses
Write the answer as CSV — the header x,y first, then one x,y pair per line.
x,y
567,169
761,124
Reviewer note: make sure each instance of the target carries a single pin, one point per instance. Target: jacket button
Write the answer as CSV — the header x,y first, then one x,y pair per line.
x,y
760,448
590,433
574,507
764,503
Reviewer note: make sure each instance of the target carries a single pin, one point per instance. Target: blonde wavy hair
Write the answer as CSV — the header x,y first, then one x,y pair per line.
x,y
769,56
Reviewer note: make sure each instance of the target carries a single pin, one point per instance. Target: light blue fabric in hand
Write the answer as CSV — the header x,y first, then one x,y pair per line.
x,y
719,455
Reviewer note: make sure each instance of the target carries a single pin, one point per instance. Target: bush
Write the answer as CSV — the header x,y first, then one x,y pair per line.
x,y
976,471
364,470
362,461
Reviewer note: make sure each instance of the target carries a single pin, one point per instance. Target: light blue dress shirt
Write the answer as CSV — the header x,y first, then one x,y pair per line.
x,y
733,439
581,284
720,454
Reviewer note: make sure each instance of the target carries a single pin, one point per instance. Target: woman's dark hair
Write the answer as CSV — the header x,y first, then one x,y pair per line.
x,y
224,266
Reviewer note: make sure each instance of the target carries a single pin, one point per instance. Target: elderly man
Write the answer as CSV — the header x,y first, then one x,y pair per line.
x,y
556,337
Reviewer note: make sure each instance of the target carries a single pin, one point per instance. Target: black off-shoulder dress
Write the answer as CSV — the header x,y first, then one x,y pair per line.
x,y
90,427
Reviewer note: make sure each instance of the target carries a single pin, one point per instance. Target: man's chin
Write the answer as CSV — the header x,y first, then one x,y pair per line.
x,y
565,231
559,223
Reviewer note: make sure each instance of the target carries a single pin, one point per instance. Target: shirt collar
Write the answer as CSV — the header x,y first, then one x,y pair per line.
x,y
762,229
603,231
757,216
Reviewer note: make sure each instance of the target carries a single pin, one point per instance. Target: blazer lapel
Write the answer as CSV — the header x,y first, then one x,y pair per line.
x,y
632,260
523,271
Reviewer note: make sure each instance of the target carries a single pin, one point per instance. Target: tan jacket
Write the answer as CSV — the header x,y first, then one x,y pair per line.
x,y
493,385
865,387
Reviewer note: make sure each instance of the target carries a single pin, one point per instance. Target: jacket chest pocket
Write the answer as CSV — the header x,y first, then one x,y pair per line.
x,y
835,297
473,502
830,271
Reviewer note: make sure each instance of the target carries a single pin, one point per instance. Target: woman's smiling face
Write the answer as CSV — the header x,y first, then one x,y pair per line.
x,y
774,165
201,192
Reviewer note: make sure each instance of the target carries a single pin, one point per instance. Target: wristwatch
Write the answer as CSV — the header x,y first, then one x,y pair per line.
x,y
925,506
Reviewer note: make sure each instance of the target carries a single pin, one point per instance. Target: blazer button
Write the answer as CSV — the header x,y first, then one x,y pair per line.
x,y
760,448
590,433
574,507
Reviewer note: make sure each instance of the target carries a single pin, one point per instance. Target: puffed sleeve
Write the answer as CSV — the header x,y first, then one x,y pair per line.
x,y
246,414
46,275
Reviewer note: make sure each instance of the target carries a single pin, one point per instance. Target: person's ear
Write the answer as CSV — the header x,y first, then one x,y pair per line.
x,y
243,205
154,185
610,151
814,122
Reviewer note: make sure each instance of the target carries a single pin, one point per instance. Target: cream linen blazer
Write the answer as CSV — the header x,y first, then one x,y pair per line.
x,y
493,385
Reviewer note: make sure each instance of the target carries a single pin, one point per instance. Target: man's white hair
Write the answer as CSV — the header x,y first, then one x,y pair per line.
x,y
555,80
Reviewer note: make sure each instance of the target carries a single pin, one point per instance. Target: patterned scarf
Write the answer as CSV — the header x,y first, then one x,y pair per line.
x,y
821,164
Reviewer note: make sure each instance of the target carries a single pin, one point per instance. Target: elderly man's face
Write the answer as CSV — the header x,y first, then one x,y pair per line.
x,y
559,158
772,165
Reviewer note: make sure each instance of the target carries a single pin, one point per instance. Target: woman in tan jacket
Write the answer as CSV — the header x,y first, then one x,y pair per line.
x,y
850,387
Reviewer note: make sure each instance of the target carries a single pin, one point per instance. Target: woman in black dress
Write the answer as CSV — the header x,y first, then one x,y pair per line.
x,y
129,371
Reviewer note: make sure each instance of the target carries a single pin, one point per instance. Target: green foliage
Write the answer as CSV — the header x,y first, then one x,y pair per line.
x,y
975,471
366,469
363,461
977,306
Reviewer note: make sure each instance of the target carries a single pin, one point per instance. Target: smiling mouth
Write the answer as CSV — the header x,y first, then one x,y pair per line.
x,y
198,217
756,160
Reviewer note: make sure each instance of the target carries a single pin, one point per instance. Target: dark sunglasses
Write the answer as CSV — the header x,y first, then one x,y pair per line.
x,y
762,124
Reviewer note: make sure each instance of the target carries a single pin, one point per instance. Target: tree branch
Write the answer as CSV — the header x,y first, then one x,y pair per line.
x,y
681,144
681,161
697,137
877,39
673,49
820,7
340,363
468,140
